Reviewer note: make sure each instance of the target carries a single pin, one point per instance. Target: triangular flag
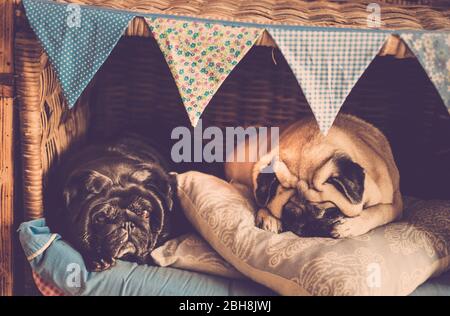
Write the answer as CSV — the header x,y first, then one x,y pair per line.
x,y
77,39
433,52
200,56
327,64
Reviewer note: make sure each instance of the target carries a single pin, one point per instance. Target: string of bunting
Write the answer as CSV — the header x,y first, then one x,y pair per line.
x,y
201,53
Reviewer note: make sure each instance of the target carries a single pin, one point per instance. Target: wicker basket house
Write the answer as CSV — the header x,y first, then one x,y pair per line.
x,y
134,91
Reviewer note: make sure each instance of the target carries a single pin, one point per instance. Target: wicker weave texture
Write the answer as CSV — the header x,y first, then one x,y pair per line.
x,y
434,15
47,129
134,90
298,12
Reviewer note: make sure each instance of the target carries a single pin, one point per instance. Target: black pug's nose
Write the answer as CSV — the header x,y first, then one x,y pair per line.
x,y
128,226
131,222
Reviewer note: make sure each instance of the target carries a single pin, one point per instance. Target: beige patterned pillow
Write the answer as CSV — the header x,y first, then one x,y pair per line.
x,y
191,252
390,260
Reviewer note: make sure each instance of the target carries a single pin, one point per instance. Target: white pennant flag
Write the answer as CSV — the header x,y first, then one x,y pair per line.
x,y
327,64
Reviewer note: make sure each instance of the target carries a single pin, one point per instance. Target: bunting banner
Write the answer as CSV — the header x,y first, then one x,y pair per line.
x,y
200,56
433,52
201,53
77,40
327,64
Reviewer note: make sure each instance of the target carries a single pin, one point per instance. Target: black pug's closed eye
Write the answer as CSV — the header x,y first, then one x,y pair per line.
x,y
117,202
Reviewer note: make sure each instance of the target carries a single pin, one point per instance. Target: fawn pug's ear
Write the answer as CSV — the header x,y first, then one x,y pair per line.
x,y
85,182
349,180
266,184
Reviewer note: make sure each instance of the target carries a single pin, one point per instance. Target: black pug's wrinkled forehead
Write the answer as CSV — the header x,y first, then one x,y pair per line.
x,y
117,207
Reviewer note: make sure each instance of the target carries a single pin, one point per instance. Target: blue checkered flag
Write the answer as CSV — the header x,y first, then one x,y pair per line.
x,y
327,64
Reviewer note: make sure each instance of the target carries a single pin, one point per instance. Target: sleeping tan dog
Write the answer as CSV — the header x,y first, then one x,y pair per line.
x,y
340,185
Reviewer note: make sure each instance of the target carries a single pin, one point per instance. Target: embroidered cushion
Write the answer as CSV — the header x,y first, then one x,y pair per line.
x,y
191,252
390,260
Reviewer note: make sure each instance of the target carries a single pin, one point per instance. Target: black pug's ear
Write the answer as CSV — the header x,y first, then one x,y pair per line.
x,y
173,185
171,191
84,182
266,185
350,179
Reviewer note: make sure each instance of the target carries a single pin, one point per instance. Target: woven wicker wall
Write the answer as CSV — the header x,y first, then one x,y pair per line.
x,y
394,94
46,128
134,90
396,14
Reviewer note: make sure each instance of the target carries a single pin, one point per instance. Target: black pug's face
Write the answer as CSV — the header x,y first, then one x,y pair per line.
x,y
118,211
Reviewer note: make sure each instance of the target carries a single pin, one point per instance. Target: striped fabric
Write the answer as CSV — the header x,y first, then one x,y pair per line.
x,y
46,288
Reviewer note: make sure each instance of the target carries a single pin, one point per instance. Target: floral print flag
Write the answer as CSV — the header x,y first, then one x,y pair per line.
x,y
433,52
200,56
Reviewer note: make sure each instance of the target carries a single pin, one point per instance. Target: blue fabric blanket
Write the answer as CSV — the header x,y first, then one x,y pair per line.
x,y
57,262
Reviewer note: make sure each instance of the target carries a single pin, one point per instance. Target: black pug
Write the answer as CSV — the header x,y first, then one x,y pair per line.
x,y
116,200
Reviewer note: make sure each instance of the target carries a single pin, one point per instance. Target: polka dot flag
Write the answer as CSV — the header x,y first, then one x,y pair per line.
x,y
327,64
433,52
77,39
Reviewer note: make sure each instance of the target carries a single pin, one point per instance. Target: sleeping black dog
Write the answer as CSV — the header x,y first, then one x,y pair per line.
x,y
115,200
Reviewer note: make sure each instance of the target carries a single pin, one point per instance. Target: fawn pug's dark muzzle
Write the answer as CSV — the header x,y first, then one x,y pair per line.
x,y
308,220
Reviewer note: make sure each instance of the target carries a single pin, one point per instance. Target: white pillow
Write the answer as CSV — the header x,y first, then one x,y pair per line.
x,y
191,252
390,260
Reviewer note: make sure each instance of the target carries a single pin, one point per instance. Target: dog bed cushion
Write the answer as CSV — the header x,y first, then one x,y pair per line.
x,y
56,263
390,260
191,252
